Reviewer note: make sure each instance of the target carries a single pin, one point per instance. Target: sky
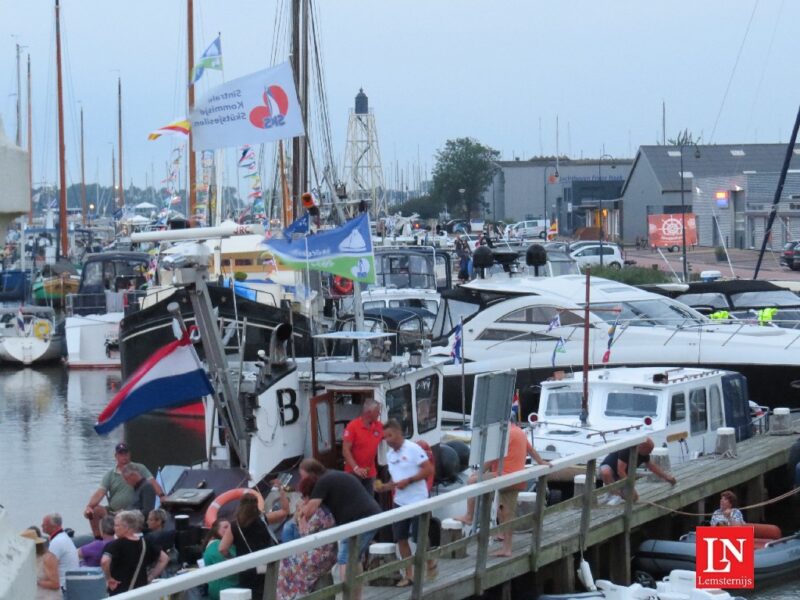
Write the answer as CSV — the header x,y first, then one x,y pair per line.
x,y
503,72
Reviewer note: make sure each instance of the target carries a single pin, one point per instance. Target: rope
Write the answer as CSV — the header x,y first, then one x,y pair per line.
x,y
748,507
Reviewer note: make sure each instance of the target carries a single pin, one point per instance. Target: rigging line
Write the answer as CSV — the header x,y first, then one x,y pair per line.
x,y
70,109
322,93
733,71
45,154
764,67
180,92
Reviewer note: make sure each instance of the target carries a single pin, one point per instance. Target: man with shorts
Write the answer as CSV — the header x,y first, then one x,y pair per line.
x,y
360,442
345,496
519,448
113,486
615,467
409,467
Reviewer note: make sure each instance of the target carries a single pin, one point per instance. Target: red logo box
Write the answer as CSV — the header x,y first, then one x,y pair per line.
x,y
724,557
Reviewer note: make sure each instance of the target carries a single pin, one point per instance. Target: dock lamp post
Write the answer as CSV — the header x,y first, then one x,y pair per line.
x,y
686,144
461,192
600,199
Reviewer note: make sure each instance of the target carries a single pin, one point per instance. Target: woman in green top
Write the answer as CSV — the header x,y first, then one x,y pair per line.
x,y
212,556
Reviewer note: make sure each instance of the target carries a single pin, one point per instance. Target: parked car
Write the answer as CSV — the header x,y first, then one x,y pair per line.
x,y
787,256
530,229
590,256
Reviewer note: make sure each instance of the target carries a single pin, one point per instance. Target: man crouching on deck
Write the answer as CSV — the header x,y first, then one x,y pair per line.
x,y
615,467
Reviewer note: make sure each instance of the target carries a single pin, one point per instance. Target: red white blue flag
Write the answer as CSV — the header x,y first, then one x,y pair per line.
x,y
171,376
456,352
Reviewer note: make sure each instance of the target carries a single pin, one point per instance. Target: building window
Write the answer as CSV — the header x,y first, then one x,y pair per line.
x,y
737,152
674,153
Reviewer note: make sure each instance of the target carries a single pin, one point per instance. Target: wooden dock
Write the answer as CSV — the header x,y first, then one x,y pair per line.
x,y
543,559
607,537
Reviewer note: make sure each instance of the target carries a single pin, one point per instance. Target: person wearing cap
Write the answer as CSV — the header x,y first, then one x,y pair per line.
x,y
61,546
119,493
48,586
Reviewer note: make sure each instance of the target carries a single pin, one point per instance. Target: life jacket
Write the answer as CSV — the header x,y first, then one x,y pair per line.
x,y
720,315
765,315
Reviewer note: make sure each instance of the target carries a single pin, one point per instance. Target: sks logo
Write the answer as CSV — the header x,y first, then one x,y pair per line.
x,y
272,112
724,557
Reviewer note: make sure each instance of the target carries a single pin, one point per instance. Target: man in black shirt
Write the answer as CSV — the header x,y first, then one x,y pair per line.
x,y
346,498
615,467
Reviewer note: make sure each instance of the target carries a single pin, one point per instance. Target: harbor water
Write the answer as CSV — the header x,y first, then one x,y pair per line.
x,y
51,459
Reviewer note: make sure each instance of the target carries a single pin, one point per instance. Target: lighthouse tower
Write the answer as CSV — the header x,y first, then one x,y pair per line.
x,y
362,171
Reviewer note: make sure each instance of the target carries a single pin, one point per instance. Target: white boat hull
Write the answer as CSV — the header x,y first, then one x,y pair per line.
x,y
88,340
29,350
17,562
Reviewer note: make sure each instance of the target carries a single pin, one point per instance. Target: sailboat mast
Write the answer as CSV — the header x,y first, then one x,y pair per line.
x,y
83,176
113,175
30,144
190,57
296,150
119,142
62,172
19,100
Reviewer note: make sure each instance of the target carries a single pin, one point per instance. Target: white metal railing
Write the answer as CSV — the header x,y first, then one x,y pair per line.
x,y
272,556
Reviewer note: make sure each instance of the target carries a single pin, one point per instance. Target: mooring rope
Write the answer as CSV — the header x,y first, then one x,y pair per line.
x,y
774,500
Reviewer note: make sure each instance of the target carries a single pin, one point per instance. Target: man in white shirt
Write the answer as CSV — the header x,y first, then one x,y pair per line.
x,y
61,546
410,468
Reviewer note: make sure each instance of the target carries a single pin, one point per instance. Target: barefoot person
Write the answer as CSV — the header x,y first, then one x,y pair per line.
x,y
519,448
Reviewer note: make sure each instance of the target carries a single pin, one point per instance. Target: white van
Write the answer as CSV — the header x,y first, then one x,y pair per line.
x,y
536,228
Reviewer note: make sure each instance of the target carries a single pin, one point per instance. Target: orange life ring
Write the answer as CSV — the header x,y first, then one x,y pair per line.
x,y
224,498
342,286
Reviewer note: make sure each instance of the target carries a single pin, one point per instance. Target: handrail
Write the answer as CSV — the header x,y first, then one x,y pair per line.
x,y
159,589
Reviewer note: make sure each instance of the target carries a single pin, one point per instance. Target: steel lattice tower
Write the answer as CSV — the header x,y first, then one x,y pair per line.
x,y
362,171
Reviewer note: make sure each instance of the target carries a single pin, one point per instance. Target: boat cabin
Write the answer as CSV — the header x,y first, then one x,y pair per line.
x,y
679,408
301,409
105,278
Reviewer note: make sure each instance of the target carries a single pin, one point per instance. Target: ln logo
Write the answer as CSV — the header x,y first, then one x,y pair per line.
x,y
724,557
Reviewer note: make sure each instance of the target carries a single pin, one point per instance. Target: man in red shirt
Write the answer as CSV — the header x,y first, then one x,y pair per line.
x,y
360,442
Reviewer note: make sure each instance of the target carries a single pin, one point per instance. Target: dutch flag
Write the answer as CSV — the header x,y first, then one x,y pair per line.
x,y
20,321
172,376
456,351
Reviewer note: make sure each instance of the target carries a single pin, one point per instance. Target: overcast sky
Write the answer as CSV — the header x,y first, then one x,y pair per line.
x,y
433,70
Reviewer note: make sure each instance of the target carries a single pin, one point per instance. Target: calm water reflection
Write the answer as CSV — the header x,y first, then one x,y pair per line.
x,y
51,459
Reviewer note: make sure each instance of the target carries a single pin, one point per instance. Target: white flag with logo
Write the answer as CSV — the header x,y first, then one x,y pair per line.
x,y
261,107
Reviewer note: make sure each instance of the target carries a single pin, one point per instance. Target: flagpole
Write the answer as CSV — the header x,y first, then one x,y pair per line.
x,y
585,400
463,376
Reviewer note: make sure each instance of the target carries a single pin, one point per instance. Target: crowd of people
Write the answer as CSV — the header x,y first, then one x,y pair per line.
x,y
134,540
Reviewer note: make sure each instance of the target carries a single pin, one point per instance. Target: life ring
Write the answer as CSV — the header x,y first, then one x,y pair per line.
x,y
225,497
42,328
342,286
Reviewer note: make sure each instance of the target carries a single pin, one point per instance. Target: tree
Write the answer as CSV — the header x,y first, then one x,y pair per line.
x,y
466,164
423,206
684,138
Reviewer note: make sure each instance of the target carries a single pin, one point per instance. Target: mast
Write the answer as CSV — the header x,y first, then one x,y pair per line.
x,y
297,189
113,176
19,100
83,176
119,136
62,171
190,57
30,144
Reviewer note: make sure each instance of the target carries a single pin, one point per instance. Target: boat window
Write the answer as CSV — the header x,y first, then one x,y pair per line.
x,y
226,262
243,262
511,335
324,441
398,406
410,333
630,404
541,315
716,418
698,419
648,313
564,403
374,304
450,311
427,392
93,275
430,305
714,300
766,298
735,389
441,270
677,408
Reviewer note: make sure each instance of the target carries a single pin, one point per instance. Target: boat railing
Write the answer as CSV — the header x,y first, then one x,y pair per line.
x,y
85,304
484,490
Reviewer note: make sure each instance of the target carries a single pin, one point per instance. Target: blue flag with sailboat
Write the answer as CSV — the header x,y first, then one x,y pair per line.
x,y
299,226
345,251
559,348
211,59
